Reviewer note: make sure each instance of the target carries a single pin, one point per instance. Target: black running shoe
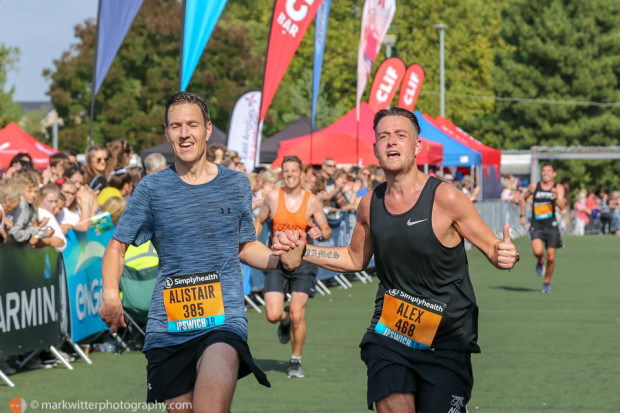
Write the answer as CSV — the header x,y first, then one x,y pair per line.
x,y
284,329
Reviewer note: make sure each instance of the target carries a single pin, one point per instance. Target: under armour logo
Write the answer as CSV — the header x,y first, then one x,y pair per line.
x,y
225,210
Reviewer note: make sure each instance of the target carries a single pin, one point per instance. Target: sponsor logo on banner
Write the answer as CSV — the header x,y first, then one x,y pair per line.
x,y
410,89
386,82
377,16
243,132
290,22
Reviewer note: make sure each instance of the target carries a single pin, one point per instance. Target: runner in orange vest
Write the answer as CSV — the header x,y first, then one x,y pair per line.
x,y
291,208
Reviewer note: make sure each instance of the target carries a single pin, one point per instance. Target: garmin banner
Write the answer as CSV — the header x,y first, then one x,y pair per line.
x,y
29,299
83,266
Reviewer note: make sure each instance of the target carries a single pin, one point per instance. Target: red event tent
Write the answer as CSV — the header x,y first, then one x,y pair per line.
x,y
490,156
14,140
338,141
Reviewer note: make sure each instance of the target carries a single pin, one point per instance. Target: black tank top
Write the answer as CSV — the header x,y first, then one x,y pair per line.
x,y
543,209
410,258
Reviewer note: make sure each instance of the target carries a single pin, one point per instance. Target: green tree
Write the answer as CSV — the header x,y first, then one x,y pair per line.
x,y
10,111
130,102
560,50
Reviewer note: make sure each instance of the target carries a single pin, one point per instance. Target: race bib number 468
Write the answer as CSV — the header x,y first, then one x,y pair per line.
x,y
410,320
194,302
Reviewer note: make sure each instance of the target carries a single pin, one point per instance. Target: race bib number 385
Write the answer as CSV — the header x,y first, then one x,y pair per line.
x,y
194,302
410,320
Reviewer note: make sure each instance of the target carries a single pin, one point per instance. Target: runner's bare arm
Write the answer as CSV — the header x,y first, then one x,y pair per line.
x,y
111,311
526,195
356,256
263,214
468,224
319,217
257,255
560,196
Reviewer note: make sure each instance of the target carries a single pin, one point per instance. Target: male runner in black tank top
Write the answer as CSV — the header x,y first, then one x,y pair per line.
x,y
546,195
424,328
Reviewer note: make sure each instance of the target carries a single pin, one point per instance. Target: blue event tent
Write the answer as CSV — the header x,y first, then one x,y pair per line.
x,y
454,153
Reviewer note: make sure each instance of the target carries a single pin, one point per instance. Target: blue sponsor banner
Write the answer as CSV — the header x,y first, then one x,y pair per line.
x,y
83,265
115,18
200,19
320,31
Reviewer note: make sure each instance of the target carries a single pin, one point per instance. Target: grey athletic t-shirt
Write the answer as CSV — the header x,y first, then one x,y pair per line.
x,y
196,229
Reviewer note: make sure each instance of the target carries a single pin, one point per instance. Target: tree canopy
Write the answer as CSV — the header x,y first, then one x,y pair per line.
x,y
552,51
9,110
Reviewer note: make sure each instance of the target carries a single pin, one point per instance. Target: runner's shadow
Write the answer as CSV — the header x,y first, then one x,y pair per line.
x,y
515,289
272,365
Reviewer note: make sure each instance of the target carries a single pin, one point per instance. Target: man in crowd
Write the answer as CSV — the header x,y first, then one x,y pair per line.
x,y
198,215
424,328
546,195
328,169
154,163
11,191
292,208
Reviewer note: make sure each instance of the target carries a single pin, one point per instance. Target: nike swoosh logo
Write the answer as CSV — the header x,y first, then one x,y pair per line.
x,y
410,223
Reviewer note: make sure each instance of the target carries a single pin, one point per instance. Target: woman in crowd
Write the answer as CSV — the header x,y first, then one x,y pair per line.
x,y
469,188
76,175
582,213
343,197
115,206
81,205
47,202
97,160
120,155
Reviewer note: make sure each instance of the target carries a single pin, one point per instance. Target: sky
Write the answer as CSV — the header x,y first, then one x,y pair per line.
x,y
42,30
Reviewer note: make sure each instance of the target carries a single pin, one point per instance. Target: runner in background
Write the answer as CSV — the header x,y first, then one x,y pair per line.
x,y
546,195
292,208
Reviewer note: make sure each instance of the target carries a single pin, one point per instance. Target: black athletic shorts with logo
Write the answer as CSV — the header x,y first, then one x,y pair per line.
x,y
550,236
441,380
171,371
302,280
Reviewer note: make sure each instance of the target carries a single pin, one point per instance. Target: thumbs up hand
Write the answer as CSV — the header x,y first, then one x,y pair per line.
x,y
507,254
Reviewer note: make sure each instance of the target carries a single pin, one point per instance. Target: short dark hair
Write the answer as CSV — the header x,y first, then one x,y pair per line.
x,y
548,164
59,157
292,158
188,97
394,111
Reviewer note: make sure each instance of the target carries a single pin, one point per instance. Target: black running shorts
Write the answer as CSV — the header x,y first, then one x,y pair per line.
x,y
550,236
302,280
440,380
171,371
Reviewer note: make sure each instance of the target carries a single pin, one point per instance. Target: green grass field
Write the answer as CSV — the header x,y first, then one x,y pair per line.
x,y
556,353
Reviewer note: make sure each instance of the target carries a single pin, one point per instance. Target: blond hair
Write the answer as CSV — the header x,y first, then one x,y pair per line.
x,y
115,206
10,189
27,177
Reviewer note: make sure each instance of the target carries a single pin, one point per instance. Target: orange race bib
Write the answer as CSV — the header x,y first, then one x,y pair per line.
x,y
410,320
194,302
543,210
